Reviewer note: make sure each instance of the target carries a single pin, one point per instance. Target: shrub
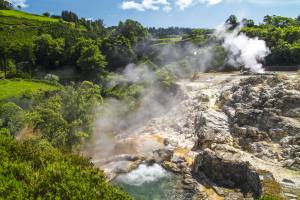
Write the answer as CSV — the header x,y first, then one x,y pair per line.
x,y
36,170
12,117
52,79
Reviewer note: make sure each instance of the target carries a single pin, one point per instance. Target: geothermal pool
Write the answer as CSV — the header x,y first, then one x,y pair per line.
x,y
153,183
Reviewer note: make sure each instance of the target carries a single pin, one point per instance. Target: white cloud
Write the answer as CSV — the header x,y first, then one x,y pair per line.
x,y
165,5
182,4
147,5
21,3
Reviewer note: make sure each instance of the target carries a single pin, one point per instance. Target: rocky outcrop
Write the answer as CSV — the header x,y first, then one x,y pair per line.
x,y
265,109
227,170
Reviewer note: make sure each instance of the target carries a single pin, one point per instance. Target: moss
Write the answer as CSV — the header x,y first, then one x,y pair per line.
x,y
266,197
271,190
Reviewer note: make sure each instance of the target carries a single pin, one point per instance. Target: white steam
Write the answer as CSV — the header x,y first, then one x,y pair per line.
x,y
143,174
119,119
242,50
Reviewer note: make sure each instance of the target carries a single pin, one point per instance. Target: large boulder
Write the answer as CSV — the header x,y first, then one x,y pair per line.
x,y
227,170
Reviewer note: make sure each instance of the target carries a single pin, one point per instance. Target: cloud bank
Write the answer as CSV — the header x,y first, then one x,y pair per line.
x,y
164,5
21,3
147,5
168,5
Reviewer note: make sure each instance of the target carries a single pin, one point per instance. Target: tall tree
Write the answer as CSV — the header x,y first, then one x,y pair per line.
x,y
5,5
49,51
232,22
132,30
69,16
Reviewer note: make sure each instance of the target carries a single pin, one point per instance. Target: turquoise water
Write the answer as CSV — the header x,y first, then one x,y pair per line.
x,y
153,183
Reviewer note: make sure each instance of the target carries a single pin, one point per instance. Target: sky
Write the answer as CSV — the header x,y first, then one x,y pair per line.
x,y
165,13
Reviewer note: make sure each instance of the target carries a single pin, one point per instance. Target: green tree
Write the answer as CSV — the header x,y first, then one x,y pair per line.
x,y
36,170
49,52
47,118
69,16
232,22
5,5
132,30
248,22
88,58
12,117
298,20
118,51
4,53
24,57
46,14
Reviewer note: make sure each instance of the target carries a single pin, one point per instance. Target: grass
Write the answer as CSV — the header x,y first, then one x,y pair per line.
x,y
163,41
20,14
16,88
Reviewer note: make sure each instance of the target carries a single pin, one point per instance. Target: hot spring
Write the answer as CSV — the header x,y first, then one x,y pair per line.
x,y
153,183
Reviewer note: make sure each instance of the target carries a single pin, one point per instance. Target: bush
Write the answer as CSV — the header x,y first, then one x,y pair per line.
x,y
36,170
12,117
52,79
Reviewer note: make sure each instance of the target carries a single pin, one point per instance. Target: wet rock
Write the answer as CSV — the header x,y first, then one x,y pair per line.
x,y
171,167
161,155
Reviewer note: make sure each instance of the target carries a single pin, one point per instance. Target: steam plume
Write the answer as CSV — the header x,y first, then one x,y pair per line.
x,y
242,50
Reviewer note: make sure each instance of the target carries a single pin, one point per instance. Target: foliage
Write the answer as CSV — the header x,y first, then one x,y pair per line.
x,y
166,79
132,30
52,79
49,51
67,118
21,14
232,22
12,117
16,88
41,44
5,5
118,51
170,31
36,170
69,16
282,35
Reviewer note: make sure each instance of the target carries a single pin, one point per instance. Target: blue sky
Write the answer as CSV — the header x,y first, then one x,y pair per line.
x,y
164,13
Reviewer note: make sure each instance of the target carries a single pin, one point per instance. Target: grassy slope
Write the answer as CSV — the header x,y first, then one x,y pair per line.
x,y
16,88
20,14
22,27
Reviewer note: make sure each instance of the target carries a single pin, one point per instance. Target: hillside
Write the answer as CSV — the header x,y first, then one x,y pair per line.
x,y
22,27
25,15
16,88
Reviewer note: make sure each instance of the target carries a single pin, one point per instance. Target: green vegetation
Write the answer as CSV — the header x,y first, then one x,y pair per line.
x,y
44,122
20,14
15,88
282,35
36,170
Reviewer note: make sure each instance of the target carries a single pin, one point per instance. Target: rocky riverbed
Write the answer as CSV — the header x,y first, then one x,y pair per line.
x,y
228,136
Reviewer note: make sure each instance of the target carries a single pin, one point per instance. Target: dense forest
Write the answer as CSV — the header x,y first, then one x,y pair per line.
x,y
66,63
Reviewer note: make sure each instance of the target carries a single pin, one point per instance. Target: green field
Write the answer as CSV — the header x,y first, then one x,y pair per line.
x,y
170,40
20,14
15,88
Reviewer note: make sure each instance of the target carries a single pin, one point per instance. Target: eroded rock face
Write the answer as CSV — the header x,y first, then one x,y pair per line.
x,y
226,170
265,109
